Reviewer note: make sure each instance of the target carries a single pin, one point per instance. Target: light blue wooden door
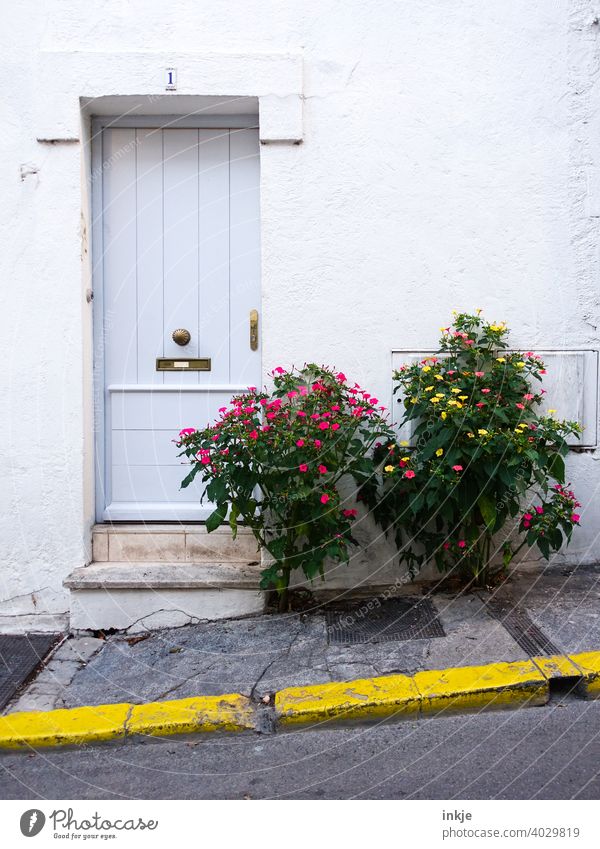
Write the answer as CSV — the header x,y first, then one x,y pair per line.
x,y
179,249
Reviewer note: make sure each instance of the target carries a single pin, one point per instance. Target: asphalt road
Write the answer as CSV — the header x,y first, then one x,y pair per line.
x,y
550,752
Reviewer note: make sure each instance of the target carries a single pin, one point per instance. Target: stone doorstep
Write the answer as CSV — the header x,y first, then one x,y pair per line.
x,y
242,575
170,543
146,596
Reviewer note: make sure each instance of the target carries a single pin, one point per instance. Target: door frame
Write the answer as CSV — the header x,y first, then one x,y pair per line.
x,y
100,407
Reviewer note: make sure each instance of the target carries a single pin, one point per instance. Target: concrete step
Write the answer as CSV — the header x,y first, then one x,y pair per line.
x,y
140,596
168,543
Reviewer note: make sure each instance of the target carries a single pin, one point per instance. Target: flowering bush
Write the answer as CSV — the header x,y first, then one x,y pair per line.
x,y
275,460
482,455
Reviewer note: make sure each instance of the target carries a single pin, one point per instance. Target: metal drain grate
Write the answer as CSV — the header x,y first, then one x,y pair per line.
x,y
383,621
20,656
522,628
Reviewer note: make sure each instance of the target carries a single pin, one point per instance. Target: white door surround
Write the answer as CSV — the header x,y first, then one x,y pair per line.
x,y
176,244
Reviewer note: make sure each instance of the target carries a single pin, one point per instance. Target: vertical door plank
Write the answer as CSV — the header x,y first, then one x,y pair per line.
x,y
149,254
214,253
244,252
181,245
119,260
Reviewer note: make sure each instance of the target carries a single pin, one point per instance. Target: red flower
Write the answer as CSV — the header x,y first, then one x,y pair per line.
x,y
324,498
409,474
322,469
303,467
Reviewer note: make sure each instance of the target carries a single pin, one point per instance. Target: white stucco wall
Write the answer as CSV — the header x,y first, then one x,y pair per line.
x,y
450,159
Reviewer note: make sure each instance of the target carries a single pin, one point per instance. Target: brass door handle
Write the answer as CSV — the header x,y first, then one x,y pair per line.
x,y
253,330
181,336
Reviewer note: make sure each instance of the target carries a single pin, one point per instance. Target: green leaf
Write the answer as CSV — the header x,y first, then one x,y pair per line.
x,y
190,477
487,506
216,518
233,517
556,468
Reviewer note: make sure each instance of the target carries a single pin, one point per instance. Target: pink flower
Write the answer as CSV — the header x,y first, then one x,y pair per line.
x,y
318,443
323,425
350,514
409,474
301,413
292,394
539,510
315,416
457,468
303,467
341,376
469,341
253,434
575,517
451,371
271,415
252,389
374,401
324,498
335,408
480,404
278,370
205,460
462,543
300,443
222,409
528,397
486,391
479,374
335,426
322,469
187,430
446,545
520,406
527,517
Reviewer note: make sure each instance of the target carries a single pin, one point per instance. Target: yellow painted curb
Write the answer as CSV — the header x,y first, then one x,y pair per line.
x,y
457,689
589,664
476,687
206,713
460,689
75,726
63,727
368,697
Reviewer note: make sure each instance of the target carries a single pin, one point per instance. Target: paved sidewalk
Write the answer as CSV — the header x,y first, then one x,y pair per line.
x,y
260,655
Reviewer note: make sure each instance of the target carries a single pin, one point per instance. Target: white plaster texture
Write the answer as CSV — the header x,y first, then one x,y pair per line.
x,y
449,159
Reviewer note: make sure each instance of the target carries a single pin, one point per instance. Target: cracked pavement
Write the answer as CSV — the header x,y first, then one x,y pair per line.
x,y
257,656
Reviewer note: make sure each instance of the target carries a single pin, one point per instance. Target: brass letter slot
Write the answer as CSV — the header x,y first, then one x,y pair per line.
x,y
183,365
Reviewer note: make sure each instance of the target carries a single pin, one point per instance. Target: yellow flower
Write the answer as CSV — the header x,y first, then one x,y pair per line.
x,y
471,435
456,391
459,406
413,400
500,360
438,376
439,395
429,389
389,468
405,459
463,397
404,443
426,369
482,431
452,403
520,364
454,312
439,452
435,400
444,415
495,327
551,411
518,430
